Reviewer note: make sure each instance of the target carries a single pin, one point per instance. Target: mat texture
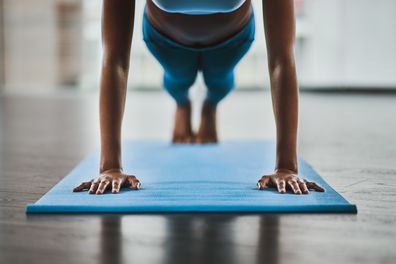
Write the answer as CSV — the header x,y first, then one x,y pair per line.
x,y
191,178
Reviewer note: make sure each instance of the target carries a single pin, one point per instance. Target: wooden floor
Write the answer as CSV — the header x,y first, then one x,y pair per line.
x,y
350,139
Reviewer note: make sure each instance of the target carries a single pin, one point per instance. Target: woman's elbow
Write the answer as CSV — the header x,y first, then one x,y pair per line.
x,y
115,60
281,62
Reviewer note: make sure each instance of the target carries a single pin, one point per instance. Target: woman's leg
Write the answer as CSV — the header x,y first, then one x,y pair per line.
x,y
218,71
180,65
180,71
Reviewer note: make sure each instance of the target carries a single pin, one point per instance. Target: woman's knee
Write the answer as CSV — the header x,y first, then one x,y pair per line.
x,y
178,85
179,81
221,80
218,87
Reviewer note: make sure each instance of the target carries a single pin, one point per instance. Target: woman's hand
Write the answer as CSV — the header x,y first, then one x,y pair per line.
x,y
283,179
114,179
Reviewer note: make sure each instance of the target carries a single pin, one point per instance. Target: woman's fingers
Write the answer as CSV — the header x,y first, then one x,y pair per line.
x,y
303,187
94,187
263,182
133,182
291,181
294,186
281,185
315,186
110,180
103,186
116,185
82,186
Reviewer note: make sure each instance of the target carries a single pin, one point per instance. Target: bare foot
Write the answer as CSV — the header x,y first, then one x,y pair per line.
x,y
182,132
207,130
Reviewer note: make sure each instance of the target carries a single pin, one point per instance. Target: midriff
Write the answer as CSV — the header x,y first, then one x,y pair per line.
x,y
198,31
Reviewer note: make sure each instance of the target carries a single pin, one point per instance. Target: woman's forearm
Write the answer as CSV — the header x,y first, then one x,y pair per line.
x,y
117,30
279,22
112,102
284,92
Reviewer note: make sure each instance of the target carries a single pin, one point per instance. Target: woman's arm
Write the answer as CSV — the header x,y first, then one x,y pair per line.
x,y
279,23
280,31
117,29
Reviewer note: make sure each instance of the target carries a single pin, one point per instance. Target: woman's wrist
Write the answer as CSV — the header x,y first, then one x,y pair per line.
x,y
119,170
286,156
289,164
106,165
285,170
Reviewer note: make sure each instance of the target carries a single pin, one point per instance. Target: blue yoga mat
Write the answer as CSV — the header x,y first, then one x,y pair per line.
x,y
191,178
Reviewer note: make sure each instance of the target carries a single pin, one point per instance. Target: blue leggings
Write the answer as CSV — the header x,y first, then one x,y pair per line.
x,y
181,63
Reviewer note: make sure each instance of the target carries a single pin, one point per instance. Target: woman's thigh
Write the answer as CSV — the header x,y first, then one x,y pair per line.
x,y
175,60
219,64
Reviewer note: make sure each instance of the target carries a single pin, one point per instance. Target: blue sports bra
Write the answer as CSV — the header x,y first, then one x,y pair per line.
x,y
198,7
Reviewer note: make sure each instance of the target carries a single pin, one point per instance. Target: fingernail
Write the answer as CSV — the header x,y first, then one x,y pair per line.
x,y
258,185
138,186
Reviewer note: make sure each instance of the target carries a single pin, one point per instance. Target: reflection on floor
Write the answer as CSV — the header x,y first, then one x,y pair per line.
x,y
348,138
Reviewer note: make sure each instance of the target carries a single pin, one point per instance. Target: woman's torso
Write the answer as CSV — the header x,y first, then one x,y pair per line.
x,y
198,25
198,7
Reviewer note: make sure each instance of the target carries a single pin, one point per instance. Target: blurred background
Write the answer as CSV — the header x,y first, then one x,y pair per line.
x,y
50,45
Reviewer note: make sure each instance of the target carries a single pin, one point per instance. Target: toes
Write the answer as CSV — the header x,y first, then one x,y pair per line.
x,y
198,140
182,139
175,140
203,140
187,140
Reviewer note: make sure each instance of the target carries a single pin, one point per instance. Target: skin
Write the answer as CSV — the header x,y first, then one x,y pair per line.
x,y
198,31
182,131
207,129
279,25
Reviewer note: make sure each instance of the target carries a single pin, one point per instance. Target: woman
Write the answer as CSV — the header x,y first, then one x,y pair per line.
x,y
187,36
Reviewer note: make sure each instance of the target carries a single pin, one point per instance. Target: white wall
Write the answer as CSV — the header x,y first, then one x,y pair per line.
x,y
349,43
40,46
1,47
29,45
339,43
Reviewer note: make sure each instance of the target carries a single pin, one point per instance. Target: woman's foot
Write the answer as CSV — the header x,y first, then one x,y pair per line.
x,y
182,132
207,132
